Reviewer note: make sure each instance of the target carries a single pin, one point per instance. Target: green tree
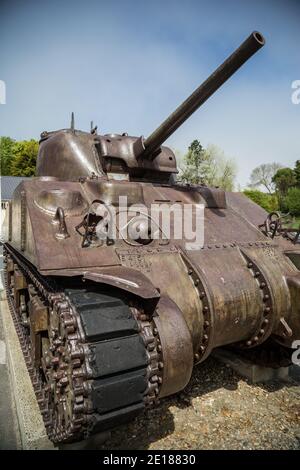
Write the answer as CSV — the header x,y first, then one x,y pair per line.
x,y
208,166
292,201
194,164
284,179
221,171
269,202
297,172
6,154
263,176
24,158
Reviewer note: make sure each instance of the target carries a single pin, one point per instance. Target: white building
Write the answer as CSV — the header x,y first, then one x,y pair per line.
x,y
8,185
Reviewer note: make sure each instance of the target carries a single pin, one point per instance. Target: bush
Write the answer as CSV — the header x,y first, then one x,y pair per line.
x,y
6,154
292,201
269,202
23,162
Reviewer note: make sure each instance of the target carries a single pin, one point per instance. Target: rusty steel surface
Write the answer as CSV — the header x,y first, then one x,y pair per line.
x,y
176,343
108,325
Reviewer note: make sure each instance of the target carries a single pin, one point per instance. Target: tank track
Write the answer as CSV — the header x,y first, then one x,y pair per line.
x,y
101,357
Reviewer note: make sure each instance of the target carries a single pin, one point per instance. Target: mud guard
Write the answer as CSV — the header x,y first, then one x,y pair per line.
x,y
176,345
124,278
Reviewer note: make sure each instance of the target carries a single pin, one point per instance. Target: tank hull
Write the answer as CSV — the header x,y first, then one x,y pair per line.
x,y
241,272
240,288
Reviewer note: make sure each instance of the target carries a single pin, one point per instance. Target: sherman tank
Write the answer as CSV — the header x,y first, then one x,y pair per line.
x,y
110,323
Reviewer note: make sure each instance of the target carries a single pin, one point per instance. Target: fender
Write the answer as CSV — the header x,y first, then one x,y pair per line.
x,y
124,278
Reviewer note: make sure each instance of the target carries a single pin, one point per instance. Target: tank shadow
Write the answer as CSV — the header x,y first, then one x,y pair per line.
x,y
150,427
158,423
218,212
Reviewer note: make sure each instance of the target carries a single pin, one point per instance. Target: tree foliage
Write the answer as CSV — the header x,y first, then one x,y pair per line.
x,y
286,184
284,179
292,201
24,155
208,166
267,201
262,176
297,172
195,164
6,154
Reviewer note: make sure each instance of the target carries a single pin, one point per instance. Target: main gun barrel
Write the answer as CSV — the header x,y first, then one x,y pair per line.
x,y
251,45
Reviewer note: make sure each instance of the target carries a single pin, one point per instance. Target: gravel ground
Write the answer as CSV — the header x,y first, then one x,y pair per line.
x,y
218,410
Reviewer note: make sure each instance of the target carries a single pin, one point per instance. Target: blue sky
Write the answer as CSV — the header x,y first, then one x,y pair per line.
x,y
127,64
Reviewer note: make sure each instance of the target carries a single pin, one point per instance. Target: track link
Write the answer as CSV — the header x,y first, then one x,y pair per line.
x,y
101,357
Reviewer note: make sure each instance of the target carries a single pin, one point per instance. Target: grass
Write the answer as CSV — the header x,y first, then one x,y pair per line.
x,y
296,223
